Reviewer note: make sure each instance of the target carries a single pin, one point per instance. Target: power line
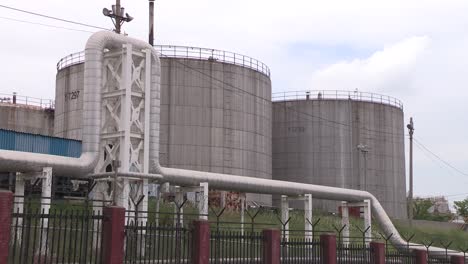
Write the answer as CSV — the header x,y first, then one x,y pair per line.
x,y
439,158
45,25
193,69
333,122
51,17
431,158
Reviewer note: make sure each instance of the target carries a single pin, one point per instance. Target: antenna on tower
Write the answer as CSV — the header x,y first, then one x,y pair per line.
x,y
117,15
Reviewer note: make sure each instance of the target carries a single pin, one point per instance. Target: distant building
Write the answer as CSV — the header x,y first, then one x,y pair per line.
x,y
440,205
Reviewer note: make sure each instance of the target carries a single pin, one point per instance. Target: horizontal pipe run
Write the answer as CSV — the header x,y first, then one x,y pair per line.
x,y
267,186
131,175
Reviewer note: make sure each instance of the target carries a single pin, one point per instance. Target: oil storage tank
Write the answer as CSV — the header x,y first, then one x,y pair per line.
x,y
26,114
215,110
343,139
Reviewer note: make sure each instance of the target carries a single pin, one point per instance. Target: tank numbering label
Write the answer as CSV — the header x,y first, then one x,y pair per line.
x,y
72,95
299,129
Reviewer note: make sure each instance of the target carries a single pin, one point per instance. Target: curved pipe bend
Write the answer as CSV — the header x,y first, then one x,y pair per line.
x,y
21,161
266,186
86,163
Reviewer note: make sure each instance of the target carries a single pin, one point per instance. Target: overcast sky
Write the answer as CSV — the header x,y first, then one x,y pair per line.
x,y
413,50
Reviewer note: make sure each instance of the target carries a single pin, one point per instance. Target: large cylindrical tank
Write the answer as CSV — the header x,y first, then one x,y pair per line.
x,y
27,114
342,139
215,111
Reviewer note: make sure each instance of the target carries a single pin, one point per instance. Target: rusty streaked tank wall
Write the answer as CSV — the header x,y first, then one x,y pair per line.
x,y
69,102
215,111
342,139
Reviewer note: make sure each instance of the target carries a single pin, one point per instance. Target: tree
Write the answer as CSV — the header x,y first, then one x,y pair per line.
x,y
421,208
462,209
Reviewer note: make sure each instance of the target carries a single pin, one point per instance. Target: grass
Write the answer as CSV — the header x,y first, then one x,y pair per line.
x,y
456,238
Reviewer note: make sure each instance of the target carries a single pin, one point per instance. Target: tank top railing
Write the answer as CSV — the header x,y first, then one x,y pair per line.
x,y
213,55
337,95
189,53
15,99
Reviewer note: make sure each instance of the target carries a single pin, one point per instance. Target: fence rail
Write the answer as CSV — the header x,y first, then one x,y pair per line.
x,y
60,236
336,95
235,247
26,100
400,257
148,243
354,254
188,53
300,251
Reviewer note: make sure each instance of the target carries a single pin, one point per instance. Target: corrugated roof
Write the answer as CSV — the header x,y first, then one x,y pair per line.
x,y
26,142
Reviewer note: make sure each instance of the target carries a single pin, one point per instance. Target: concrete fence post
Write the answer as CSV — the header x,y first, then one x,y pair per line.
x,y
6,206
113,235
421,256
379,252
201,242
328,244
457,260
271,246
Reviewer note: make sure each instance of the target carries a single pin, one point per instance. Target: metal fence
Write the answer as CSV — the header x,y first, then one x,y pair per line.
x,y
400,257
60,236
438,258
300,251
27,100
188,53
336,95
148,243
354,254
235,247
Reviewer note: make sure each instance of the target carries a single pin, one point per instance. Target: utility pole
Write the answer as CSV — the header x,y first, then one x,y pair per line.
x,y
117,18
410,127
117,15
151,23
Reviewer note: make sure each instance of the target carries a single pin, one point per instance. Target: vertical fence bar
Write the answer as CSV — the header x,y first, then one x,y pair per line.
x,y
201,242
457,260
328,245
421,256
6,207
271,246
378,250
113,225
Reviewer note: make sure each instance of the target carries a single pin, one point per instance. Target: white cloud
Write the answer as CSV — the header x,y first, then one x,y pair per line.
x,y
424,63
387,69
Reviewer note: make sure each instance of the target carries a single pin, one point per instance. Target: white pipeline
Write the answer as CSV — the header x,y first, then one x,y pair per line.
x,y
98,42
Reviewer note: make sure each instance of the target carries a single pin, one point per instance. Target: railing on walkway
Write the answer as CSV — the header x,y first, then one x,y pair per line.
x,y
26,100
354,254
298,250
336,95
60,236
235,247
188,53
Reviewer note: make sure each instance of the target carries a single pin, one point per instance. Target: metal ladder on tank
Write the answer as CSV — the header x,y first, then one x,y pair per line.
x,y
228,132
